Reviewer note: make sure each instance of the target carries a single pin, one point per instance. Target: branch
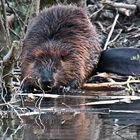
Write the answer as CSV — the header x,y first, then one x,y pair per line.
x,y
6,22
8,62
121,5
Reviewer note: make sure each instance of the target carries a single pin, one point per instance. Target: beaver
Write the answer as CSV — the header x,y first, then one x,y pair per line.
x,y
60,48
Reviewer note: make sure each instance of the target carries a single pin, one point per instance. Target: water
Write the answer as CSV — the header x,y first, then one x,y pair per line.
x,y
64,119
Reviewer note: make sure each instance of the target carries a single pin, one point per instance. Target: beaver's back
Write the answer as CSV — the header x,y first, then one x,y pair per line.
x,y
59,22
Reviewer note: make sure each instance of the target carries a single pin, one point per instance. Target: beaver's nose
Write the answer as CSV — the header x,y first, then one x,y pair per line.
x,y
48,83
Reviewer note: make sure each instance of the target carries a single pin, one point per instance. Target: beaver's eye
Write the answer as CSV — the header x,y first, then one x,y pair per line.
x,y
63,57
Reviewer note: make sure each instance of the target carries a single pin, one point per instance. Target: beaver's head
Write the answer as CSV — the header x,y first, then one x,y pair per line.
x,y
50,66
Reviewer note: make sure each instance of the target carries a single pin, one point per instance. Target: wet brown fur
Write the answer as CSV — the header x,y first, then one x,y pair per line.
x,y
61,44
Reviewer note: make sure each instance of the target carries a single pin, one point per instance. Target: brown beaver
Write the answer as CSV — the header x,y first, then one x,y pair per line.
x,y
59,49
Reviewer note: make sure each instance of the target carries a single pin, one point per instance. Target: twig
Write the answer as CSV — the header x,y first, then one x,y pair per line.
x,y
39,104
125,111
16,112
4,133
8,56
39,122
7,103
116,132
14,33
27,20
96,14
115,38
17,129
101,26
19,19
111,31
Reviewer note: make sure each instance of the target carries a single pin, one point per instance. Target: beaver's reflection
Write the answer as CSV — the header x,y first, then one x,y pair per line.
x,y
63,125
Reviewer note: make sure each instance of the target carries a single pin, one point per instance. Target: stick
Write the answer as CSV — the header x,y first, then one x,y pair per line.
x,y
111,31
102,85
55,96
125,99
105,102
109,84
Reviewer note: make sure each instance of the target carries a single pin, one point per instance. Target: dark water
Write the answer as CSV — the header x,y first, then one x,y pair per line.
x,y
69,121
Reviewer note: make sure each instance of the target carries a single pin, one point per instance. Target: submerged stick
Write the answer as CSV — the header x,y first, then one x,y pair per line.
x,y
66,110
